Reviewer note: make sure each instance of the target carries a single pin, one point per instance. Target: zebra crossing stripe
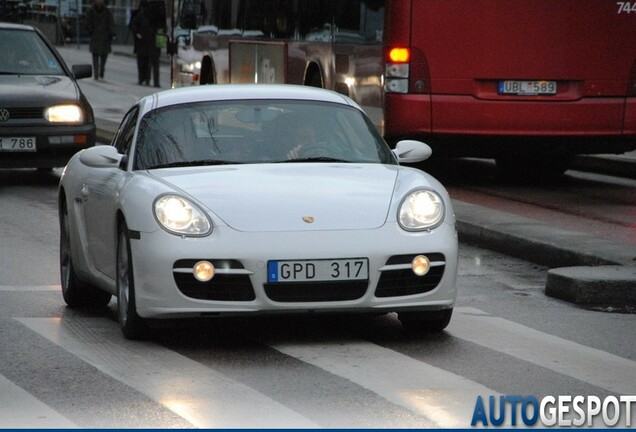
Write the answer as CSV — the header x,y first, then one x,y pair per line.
x,y
19,409
200,395
596,367
446,399
25,288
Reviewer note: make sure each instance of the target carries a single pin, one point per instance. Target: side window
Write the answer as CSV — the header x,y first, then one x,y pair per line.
x,y
124,137
373,20
315,20
272,19
360,21
348,22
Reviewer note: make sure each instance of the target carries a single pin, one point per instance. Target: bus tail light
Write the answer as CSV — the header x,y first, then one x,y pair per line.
x,y
399,55
406,71
396,78
396,74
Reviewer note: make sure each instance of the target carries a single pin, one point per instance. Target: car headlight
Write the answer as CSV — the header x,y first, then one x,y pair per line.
x,y
179,216
64,114
191,67
421,209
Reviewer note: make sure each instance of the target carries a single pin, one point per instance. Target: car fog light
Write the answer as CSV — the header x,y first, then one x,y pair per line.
x,y
420,265
203,271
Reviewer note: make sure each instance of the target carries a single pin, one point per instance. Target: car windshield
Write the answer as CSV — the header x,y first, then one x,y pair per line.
x,y
257,131
23,52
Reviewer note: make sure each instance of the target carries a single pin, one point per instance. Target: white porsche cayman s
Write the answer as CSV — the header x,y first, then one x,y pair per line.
x,y
242,199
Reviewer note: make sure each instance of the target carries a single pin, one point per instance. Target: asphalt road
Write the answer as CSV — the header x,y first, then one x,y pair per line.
x,y
65,368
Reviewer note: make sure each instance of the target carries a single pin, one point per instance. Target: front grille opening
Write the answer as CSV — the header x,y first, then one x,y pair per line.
x,y
291,292
26,113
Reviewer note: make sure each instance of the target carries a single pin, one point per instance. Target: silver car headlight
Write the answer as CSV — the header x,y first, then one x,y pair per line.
x,y
179,216
420,210
64,114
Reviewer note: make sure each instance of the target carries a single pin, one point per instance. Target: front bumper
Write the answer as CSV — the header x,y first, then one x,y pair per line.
x,y
158,256
55,145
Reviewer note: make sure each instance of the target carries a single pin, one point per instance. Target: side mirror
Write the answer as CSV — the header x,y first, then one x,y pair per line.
x,y
82,71
410,151
101,156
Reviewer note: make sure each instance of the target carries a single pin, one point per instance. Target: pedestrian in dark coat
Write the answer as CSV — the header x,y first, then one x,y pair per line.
x,y
101,29
144,26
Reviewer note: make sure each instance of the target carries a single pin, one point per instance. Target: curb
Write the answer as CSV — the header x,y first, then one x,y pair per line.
x,y
609,284
537,242
619,166
606,286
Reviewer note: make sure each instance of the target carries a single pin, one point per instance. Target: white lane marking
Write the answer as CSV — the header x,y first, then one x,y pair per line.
x,y
590,365
448,400
202,396
19,409
30,288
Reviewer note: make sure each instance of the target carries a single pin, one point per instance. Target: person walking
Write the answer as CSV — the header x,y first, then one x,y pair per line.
x,y
145,26
101,29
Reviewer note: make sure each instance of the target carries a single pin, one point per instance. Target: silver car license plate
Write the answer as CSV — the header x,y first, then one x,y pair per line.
x,y
17,144
318,270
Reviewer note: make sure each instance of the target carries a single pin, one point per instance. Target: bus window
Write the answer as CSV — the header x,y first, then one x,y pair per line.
x,y
188,15
273,18
348,22
315,20
359,21
373,21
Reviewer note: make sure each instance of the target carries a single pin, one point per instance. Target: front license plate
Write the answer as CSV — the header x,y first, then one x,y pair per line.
x,y
318,270
528,88
17,144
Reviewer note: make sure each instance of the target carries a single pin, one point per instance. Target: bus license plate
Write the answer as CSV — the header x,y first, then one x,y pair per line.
x,y
17,144
318,270
528,88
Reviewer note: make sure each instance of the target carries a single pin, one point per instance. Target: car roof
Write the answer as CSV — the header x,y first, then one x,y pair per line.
x,y
13,26
218,92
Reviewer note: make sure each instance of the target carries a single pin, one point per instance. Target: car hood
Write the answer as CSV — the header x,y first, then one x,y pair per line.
x,y
36,90
285,197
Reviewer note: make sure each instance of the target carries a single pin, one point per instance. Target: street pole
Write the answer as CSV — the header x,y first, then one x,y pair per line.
x,y
172,45
77,22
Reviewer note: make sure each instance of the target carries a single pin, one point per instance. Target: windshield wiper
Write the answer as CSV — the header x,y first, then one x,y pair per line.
x,y
315,159
201,162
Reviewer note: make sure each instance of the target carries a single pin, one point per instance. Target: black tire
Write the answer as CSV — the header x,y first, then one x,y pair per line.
x,y
315,80
132,325
426,321
208,72
76,294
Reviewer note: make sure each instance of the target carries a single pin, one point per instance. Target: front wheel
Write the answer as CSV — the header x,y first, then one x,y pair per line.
x,y
132,325
426,321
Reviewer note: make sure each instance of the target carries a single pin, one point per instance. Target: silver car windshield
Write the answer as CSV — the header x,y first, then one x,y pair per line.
x,y
257,131
25,53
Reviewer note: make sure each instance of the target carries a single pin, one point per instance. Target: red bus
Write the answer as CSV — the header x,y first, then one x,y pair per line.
x,y
530,83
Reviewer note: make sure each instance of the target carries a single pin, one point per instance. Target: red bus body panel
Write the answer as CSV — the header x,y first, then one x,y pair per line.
x,y
587,46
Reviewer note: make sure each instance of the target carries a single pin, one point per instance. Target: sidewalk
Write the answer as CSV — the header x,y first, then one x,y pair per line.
x,y
111,98
510,234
